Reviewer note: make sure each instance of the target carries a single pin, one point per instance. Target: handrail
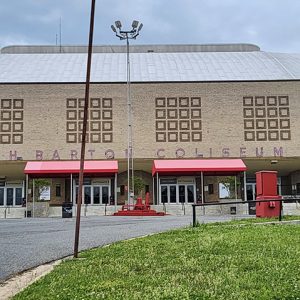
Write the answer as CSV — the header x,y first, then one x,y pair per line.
x,y
240,202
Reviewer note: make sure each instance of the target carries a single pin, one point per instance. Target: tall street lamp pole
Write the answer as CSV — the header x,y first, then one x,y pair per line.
x,y
126,35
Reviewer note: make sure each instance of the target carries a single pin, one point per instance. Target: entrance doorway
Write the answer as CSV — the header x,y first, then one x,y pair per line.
x,y
251,196
11,196
94,194
168,193
177,191
186,193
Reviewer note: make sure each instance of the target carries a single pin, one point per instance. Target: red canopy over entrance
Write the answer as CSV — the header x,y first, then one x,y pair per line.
x,y
190,166
71,167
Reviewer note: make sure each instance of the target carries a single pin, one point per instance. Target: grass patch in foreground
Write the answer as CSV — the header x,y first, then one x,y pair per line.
x,y
207,262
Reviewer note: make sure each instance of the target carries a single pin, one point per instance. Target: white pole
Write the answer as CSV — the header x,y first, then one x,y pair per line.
x,y
245,187
33,194
71,187
202,188
153,189
129,142
26,197
157,189
116,192
235,187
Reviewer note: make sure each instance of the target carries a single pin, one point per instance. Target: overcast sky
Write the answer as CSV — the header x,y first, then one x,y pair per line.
x,y
274,25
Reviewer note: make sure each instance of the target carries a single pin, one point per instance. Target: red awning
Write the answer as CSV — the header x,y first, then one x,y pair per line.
x,y
71,167
189,166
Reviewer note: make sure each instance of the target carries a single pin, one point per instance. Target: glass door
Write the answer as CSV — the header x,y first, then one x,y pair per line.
x,y
13,196
190,193
186,193
251,196
172,193
96,194
105,194
87,194
10,196
168,193
100,194
164,197
1,196
182,192
18,196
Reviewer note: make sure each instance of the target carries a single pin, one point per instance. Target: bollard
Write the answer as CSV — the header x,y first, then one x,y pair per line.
x,y
194,215
280,211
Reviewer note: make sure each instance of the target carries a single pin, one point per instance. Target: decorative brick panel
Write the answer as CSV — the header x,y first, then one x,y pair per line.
x,y
11,121
100,120
178,119
266,118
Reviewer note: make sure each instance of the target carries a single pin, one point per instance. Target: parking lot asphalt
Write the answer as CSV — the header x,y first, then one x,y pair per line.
x,y
27,243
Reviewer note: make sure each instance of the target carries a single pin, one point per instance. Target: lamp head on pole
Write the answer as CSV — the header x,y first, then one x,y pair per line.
x,y
129,34
113,28
140,27
118,24
135,24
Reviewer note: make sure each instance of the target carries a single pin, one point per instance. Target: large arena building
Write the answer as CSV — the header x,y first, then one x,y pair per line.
x,y
189,102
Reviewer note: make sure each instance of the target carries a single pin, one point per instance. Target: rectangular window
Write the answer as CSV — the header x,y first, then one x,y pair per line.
x,y
96,194
58,190
182,193
87,194
210,188
105,194
1,196
190,191
173,193
18,196
9,196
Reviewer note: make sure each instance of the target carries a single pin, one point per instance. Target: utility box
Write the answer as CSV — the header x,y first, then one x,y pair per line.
x,y
266,183
266,189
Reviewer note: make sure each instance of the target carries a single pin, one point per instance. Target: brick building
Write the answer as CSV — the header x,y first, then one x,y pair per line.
x,y
189,102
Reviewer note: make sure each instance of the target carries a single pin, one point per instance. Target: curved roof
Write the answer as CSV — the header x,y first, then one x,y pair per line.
x,y
163,48
150,67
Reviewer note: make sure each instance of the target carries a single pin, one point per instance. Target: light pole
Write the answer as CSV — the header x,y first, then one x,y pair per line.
x,y
126,35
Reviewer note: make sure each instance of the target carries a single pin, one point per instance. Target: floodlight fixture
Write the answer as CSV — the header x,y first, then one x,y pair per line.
x,y
113,28
140,27
135,24
118,24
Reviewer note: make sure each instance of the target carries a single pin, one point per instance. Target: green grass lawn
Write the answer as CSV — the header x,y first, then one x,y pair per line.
x,y
207,262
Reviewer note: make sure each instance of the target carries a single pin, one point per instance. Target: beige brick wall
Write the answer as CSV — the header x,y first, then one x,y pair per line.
x,y
222,119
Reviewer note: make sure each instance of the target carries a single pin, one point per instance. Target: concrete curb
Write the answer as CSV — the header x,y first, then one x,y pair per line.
x,y
16,284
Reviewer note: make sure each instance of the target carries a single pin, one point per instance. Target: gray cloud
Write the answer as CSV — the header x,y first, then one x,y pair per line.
x,y
271,24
